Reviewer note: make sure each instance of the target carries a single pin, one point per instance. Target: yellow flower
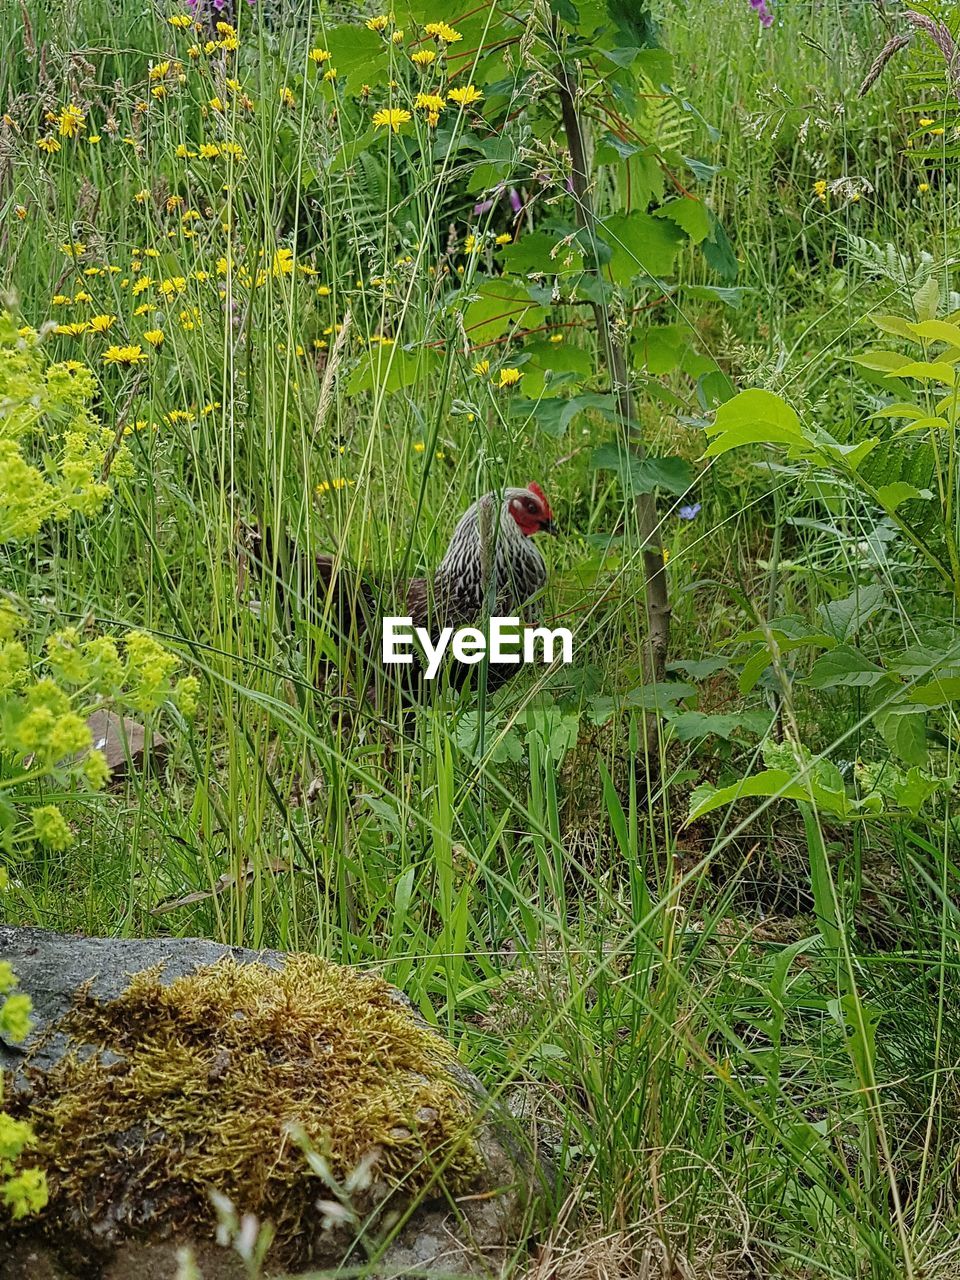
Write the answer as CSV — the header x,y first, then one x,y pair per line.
x,y
429,102
465,96
377,24
556,337
159,91
397,37
286,97
923,187
392,118
336,484
509,378
154,337
73,330
937,133
233,149
143,309
48,144
481,367
83,296
323,291
159,71
440,31
170,287
100,324
925,121
505,238
319,55
423,58
331,74
71,121
75,250
126,356
60,300
181,20
209,150
73,366
142,196
820,190
225,29
470,243
283,262
93,139
419,446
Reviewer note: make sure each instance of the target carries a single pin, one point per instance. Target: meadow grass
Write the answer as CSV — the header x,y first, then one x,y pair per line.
x,y
738,1037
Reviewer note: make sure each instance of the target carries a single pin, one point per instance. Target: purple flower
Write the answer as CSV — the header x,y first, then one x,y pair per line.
x,y
763,13
516,204
690,511
483,207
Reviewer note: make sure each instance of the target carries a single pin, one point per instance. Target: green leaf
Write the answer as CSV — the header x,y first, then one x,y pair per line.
x,y
895,495
939,692
937,331
844,667
497,307
553,414
754,416
718,251
900,410
926,300
904,730
881,360
541,251
894,324
391,368
640,244
690,214
927,371
845,617
356,52
643,475
769,783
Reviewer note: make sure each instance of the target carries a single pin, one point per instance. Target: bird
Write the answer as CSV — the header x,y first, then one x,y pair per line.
x,y
491,567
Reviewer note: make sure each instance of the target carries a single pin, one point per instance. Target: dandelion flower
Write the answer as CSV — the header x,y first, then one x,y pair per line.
x,y
100,324
71,121
125,356
377,24
392,118
508,378
423,58
923,187
481,367
397,37
48,144
440,31
93,139
286,97
431,102
465,96
73,330
181,20
926,121
319,55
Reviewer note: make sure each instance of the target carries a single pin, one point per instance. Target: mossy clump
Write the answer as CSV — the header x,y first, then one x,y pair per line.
x,y
199,1084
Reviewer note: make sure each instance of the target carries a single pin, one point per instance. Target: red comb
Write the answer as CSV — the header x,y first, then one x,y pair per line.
x,y
535,488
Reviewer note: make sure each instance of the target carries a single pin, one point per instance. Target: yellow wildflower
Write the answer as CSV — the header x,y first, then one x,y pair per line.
x,y
73,330
126,356
923,187
319,55
100,324
431,102
925,121
505,238
465,96
392,118
440,31
378,24
159,71
509,378
48,144
481,368
423,58
181,20
71,121
286,97
397,37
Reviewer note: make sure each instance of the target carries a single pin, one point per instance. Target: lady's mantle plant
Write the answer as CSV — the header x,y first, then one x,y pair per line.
x,y
54,457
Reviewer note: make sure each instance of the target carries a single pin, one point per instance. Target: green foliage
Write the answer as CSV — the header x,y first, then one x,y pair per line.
x,y
23,1188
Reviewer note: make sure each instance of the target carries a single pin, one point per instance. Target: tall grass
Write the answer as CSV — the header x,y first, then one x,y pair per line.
x,y
737,1041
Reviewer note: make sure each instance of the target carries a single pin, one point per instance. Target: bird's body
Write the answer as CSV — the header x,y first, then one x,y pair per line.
x,y
491,567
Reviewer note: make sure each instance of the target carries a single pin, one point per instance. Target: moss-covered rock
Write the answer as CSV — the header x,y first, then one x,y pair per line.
x,y
163,1070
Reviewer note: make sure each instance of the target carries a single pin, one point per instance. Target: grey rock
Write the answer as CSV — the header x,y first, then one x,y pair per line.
x,y
441,1237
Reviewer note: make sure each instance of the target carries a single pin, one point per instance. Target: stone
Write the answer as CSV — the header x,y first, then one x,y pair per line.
x,y
397,1156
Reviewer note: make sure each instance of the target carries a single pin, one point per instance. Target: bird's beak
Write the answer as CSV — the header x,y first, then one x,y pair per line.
x,y
550,526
